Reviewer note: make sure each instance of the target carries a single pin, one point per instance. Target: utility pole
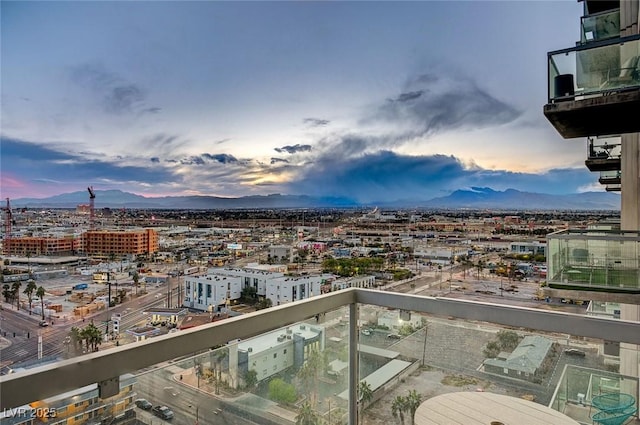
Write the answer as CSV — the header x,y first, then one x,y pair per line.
x,y
108,304
424,347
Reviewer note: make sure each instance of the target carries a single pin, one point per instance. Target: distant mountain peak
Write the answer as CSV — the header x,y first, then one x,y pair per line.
x,y
472,197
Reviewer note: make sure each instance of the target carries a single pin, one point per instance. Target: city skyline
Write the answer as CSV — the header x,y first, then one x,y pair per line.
x,y
358,99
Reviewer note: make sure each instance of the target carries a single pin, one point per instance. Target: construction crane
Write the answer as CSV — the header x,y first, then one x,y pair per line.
x,y
8,222
92,199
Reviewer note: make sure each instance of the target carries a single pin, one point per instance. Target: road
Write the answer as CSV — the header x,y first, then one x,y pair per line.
x,y
190,405
22,330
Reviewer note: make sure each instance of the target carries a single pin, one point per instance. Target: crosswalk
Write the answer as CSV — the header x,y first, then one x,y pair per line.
x,y
21,352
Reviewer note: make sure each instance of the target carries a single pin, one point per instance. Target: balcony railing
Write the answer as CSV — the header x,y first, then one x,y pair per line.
x,y
371,343
603,154
600,26
597,68
594,88
594,260
610,177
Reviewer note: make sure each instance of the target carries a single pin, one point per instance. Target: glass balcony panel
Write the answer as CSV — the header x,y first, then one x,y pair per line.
x,y
605,148
600,69
610,177
600,26
594,260
406,351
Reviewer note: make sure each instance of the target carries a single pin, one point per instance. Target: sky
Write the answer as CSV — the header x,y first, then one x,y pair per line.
x,y
373,101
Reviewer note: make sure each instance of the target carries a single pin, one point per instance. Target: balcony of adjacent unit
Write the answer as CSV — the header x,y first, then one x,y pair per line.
x,y
600,26
351,353
603,263
610,178
603,154
613,188
594,88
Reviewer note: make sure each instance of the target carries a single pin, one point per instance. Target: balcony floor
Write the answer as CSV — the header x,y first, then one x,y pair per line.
x,y
615,113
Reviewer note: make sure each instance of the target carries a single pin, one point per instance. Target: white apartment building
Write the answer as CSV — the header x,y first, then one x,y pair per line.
x,y
222,285
274,352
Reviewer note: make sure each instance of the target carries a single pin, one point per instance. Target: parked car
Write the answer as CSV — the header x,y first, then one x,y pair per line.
x,y
393,336
574,352
44,324
143,404
163,412
366,332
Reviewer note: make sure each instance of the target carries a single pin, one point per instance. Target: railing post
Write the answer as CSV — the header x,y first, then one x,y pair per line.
x,y
354,378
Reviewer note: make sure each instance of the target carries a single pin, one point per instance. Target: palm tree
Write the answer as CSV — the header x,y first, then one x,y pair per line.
x,y
92,336
136,281
6,292
15,288
29,291
40,294
307,416
398,407
364,396
314,366
413,400
219,358
76,337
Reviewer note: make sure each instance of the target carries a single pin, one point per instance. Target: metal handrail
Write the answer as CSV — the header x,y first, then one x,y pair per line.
x,y
46,381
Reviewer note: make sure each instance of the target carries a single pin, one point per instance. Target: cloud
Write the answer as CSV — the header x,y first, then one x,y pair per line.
x,y
153,110
72,169
432,104
294,149
389,176
116,95
405,97
277,160
222,158
315,122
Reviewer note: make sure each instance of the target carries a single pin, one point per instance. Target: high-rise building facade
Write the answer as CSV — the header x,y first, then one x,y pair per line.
x,y
594,93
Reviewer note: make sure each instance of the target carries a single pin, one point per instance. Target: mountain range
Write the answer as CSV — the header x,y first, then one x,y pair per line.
x,y
473,198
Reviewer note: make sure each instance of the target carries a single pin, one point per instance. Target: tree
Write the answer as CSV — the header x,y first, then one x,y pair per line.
x,y
281,391
29,291
92,337
15,288
219,357
40,294
76,338
492,350
508,340
315,365
479,268
251,379
136,281
364,396
307,416
412,402
6,292
264,303
398,407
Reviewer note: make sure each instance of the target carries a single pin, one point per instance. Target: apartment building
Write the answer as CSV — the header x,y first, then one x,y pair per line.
x,y
43,245
120,242
222,285
594,93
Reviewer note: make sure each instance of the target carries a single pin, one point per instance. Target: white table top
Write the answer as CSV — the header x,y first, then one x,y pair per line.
x,y
483,408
